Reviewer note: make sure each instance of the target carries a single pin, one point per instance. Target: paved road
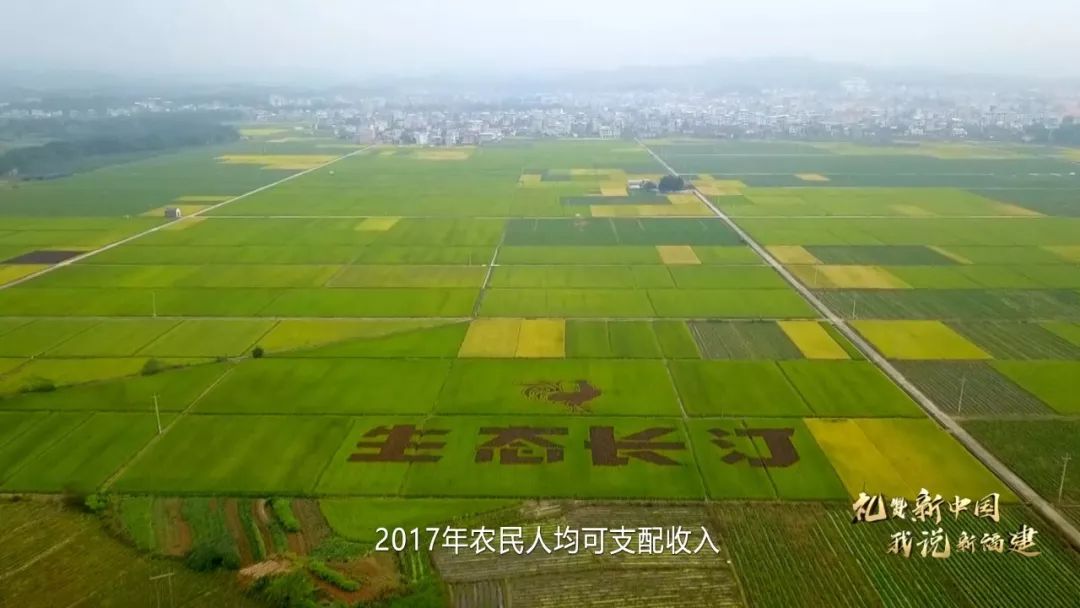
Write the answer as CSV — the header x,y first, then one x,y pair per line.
x,y
1011,479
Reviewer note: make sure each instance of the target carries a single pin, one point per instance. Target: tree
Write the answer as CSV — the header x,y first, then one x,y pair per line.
x,y
214,556
37,384
293,590
672,183
152,366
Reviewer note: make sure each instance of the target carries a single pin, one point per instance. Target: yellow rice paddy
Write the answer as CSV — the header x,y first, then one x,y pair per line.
x,y
792,254
812,340
677,254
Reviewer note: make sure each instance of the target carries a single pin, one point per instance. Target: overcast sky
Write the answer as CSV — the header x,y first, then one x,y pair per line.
x,y
361,38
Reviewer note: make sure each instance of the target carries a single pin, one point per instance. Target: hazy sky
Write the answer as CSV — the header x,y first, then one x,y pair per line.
x,y
360,38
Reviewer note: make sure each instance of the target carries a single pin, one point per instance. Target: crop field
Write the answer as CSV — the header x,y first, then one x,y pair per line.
x,y
955,305
918,340
1004,340
1054,382
788,388
824,560
972,389
302,443
1069,331
868,456
967,281
85,456
880,255
175,390
637,581
626,339
439,332
1036,449
751,340
899,202
894,168
135,187
818,341
74,560
495,295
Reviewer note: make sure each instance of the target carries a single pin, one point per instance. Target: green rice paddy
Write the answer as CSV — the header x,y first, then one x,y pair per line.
x,y
307,339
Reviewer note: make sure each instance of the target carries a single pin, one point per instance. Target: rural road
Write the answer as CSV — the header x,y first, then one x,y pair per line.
x,y
1011,479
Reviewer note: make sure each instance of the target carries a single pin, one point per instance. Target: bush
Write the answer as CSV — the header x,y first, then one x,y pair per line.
x,y
205,558
278,536
293,590
282,509
95,503
74,499
213,546
152,366
37,384
251,531
335,578
337,549
672,183
425,594
257,352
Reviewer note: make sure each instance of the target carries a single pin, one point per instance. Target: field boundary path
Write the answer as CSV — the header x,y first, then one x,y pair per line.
x,y
487,277
137,235
164,431
1010,478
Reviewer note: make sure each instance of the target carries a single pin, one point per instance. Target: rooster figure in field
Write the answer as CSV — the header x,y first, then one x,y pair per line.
x,y
556,392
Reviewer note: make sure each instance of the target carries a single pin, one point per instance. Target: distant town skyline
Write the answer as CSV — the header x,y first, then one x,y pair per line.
x,y
346,40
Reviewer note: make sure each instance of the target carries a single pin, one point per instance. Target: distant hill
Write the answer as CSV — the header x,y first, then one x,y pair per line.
x,y
723,74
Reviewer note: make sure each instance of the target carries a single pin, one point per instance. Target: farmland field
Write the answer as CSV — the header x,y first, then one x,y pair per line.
x,y
839,564
74,560
414,335
1036,449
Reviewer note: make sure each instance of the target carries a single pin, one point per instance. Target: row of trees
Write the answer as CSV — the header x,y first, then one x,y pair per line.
x,y
1068,134
96,142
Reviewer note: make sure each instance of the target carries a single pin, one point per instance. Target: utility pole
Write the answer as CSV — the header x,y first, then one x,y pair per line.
x,y
157,414
854,301
960,403
1064,468
817,271
153,300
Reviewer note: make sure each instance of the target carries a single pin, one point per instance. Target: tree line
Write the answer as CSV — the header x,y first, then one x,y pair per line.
x,y
99,142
